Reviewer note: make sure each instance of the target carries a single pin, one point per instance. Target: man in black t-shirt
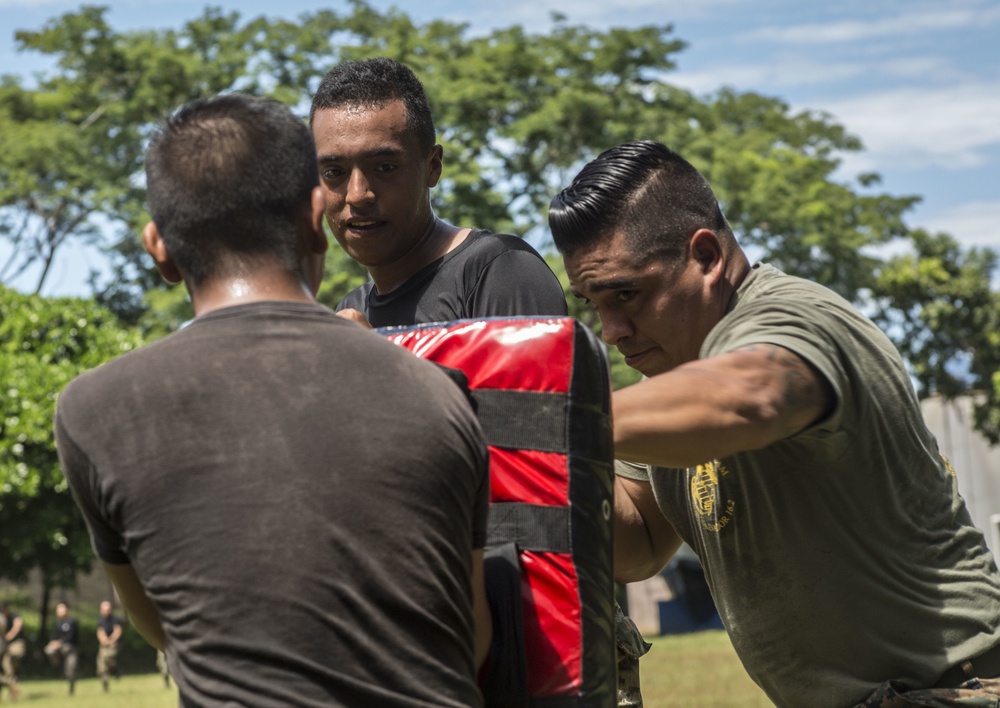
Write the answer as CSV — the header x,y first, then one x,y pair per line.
x,y
378,162
292,507
109,631
64,645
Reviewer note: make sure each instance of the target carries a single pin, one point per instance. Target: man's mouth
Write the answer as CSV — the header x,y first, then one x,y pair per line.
x,y
361,224
635,357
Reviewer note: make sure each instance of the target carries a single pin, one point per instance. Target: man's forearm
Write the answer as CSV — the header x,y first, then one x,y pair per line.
x,y
143,613
644,540
742,400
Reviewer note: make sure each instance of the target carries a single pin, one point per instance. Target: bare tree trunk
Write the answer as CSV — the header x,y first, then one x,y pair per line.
x,y
45,271
54,239
43,628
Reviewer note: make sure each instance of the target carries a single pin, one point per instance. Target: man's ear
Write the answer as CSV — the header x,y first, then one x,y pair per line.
x,y
317,205
313,241
436,158
706,249
155,247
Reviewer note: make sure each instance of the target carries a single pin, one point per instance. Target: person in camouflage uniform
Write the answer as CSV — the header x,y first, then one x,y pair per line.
x,y
109,632
783,441
12,649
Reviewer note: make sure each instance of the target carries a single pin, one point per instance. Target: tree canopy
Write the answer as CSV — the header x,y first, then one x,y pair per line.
x,y
44,344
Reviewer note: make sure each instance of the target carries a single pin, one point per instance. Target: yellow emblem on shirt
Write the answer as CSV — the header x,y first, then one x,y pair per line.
x,y
947,464
713,512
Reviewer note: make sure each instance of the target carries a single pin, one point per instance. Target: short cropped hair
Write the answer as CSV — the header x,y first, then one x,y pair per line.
x,y
226,178
643,189
374,83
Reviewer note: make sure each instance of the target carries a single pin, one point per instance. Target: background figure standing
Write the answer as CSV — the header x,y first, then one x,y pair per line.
x,y
12,649
64,646
109,631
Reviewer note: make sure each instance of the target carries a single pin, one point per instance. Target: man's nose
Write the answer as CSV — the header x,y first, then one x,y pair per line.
x,y
359,189
615,327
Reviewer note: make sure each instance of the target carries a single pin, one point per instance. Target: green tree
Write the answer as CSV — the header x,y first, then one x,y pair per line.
x,y
774,174
342,275
44,344
937,306
518,113
71,149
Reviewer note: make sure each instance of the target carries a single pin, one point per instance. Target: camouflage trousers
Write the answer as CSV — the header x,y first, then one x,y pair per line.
x,y
629,646
68,655
107,661
974,693
11,662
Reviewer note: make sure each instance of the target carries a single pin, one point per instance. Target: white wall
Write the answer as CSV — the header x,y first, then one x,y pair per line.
x,y
977,465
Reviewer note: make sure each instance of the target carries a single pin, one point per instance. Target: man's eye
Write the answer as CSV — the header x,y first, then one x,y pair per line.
x,y
625,295
387,167
331,173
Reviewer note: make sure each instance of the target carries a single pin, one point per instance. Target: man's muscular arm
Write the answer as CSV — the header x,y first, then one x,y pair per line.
x,y
143,614
742,400
644,539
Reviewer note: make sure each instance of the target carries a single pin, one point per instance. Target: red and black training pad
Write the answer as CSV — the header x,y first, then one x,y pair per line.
x,y
541,390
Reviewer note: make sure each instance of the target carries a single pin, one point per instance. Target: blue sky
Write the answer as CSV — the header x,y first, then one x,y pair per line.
x,y
917,81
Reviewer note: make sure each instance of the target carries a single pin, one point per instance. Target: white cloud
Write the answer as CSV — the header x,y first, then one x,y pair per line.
x,y
535,15
29,4
923,123
656,10
972,223
907,23
775,76
924,69
910,128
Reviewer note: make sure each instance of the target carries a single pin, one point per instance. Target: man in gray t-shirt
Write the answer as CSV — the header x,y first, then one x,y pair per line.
x,y
292,507
784,443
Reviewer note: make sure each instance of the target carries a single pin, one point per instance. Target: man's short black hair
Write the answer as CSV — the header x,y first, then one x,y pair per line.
x,y
644,190
374,83
226,178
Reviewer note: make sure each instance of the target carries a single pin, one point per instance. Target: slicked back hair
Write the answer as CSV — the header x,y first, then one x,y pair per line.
x,y
644,190
373,83
226,178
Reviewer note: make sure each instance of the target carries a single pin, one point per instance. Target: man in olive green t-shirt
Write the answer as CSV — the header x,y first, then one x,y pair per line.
x,y
781,439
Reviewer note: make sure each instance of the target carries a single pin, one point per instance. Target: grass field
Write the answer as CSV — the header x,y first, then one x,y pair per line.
x,y
144,691
697,670
690,670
